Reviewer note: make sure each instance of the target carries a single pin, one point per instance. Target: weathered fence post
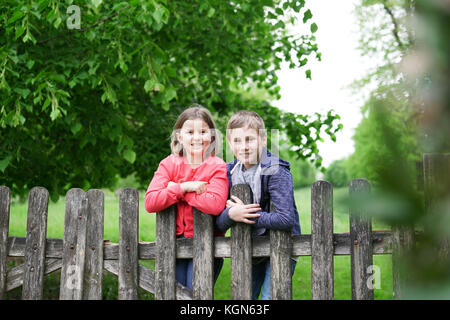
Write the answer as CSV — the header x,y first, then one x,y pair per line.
x,y
280,263
436,169
241,250
33,277
322,255
5,198
203,260
402,243
360,241
74,245
128,244
165,283
93,273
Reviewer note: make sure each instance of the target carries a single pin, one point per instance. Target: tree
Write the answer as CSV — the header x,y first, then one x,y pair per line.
x,y
337,173
387,37
81,106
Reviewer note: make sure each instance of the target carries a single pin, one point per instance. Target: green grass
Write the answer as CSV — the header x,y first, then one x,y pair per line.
x,y
301,283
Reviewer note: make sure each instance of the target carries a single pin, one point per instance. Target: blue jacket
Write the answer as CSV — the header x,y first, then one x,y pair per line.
x,y
276,185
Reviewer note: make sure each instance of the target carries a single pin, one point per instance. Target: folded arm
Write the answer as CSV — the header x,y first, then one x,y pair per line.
x,y
160,195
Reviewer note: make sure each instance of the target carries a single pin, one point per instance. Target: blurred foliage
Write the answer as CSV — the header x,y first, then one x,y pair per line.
x,y
81,107
387,38
337,173
408,114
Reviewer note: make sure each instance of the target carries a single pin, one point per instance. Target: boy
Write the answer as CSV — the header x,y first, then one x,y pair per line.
x,y
269,179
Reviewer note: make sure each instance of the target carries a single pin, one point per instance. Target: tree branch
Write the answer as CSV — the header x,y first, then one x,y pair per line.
x,y
395,31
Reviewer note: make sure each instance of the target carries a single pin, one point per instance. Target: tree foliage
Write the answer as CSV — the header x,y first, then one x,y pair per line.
x,y
392,105
81,106
337,173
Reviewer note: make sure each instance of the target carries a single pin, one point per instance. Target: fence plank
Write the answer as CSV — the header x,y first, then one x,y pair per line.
x,y
5,198
280,264
33,278
93,271
241,250
361,242
15,274
147,280
322,259
203,251
74,245
165,282
128,244
436,169
403,242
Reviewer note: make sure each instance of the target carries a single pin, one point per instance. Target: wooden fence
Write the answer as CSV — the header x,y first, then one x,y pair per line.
x,y
83,254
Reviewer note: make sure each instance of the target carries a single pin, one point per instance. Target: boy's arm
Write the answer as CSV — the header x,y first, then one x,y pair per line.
x,y
159,195
282,196
223,221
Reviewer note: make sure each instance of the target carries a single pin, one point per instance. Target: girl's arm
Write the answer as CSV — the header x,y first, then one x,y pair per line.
x,y
213,200
159,195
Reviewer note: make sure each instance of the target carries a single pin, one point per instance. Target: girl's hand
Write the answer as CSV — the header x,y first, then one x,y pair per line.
x,y
170,183
194,186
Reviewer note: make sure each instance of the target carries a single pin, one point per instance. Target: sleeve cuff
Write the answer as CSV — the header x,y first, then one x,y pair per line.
x,y
176,190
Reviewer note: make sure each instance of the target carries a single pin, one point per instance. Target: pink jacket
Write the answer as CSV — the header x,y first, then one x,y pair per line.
x,y
175,168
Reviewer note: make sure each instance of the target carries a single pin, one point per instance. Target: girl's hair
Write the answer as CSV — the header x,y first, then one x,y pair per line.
x,y
195,111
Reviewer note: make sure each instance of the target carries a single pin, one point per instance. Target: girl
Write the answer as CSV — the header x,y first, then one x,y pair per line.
x,y
192,176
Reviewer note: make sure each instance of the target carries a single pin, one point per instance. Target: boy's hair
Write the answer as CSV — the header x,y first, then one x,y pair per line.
x,y
195,111
247,119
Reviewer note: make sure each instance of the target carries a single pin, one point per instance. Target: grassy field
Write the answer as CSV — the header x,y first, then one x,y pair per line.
x,y
301,282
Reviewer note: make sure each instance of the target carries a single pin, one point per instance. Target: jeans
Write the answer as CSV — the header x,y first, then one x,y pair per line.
x,y
261,277
184,270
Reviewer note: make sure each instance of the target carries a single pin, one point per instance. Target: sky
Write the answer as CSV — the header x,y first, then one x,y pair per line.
x,y
337,39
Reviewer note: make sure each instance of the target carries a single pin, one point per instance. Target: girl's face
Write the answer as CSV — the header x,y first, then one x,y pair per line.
x,y
195,137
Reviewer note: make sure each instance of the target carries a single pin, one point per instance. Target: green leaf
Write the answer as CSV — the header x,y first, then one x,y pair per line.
x,y
23,92
19,31
211,12
4,163
149,84
46,103
96,3
308,74
307,15
129,155
30,64
76,128
55,114
314,27
16,16
169,94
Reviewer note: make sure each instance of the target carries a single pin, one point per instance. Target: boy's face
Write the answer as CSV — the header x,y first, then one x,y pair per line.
x,y
246,145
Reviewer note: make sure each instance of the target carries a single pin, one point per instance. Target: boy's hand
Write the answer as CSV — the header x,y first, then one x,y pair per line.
x,y
194,186
241,212
233,201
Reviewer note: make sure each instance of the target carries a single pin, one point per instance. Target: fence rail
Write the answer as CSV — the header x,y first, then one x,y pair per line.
x,y
83,253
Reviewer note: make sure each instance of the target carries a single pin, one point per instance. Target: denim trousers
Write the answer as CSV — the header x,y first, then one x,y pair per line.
x,y
184,270
261,277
